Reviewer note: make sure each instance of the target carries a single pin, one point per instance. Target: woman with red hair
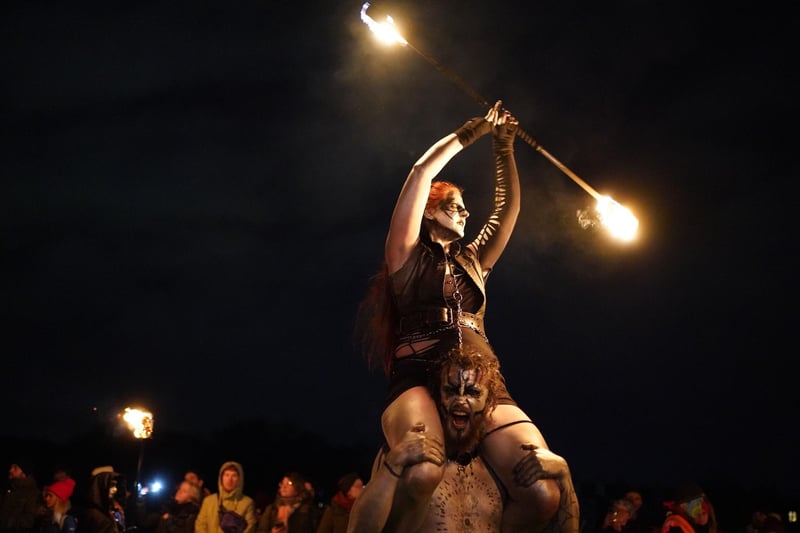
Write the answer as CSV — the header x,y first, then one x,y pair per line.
x,y
429,299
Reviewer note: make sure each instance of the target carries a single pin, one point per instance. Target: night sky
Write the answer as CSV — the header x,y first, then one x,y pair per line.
x,y
195,195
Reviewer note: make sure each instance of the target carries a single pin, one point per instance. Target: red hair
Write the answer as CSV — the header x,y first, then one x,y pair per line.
x,y
376,318
439,191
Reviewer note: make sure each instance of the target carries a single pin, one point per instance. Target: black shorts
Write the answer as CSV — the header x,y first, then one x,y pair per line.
x,y
414,370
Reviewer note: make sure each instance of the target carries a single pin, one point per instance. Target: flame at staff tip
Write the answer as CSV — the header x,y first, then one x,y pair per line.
x,y
139,422
385,32
618,220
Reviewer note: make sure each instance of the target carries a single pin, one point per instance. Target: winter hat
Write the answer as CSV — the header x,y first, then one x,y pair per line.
x,y
62,489
102,469
347,481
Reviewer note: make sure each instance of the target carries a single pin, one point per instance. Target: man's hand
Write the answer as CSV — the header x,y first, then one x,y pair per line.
x,y
539,463
416,447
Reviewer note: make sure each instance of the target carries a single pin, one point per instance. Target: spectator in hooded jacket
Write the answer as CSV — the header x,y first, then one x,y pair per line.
x,y
229,497
104,506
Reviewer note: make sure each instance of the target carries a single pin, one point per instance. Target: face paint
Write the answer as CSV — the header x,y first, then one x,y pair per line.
x,y
463,398
450,217
452,209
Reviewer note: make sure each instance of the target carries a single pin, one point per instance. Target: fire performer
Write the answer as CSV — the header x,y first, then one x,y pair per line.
x,y
428,299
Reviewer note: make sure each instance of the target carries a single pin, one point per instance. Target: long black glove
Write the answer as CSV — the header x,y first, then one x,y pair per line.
x,y
472,130
503,138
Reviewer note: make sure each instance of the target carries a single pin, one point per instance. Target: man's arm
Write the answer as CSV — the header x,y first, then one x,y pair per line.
x,y
372,508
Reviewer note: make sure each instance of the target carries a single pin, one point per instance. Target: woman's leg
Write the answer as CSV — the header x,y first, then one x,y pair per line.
x,y
418,482
549,502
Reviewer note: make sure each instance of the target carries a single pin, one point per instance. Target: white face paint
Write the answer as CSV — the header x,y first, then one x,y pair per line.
x,y
451,214
463,397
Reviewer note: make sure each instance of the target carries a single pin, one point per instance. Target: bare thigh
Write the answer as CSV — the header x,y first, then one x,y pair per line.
x,y
502,449
412,407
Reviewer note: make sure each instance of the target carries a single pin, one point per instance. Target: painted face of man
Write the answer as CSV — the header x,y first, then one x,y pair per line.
x,y
451,216
463,396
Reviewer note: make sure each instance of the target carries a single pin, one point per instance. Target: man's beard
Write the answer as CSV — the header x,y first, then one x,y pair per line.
x,y
463,442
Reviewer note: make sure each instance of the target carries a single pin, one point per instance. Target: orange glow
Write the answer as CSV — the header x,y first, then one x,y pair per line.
x,y
140,422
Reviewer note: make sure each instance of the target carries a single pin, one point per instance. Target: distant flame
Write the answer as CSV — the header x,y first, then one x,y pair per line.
x,y
386,31
139,422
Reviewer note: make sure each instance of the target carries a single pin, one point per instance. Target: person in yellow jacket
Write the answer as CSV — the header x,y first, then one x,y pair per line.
x,y
229,498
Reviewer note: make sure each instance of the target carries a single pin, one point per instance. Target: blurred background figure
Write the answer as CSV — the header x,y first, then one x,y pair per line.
x,y
337,514
58,500
690,511
291,511
618,515
62,472
756,524
642,519
194,477
104,505
21,500
773,523
317,506
181,511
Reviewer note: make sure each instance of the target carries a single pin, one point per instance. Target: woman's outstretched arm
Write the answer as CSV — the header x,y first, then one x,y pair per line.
x,y
408,211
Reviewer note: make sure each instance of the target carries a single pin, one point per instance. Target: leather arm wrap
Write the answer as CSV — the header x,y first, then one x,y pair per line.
x,y
472,130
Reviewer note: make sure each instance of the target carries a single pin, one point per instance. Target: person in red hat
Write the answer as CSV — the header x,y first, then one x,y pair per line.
x,y
57,499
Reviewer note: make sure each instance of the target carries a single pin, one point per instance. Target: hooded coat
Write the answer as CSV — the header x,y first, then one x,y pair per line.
x,y
101,514
235,500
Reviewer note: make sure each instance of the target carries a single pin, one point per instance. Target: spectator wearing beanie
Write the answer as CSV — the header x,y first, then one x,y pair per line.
x,y
337,514
57,499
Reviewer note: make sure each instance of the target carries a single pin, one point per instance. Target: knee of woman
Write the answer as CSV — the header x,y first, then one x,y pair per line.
x,y
423,478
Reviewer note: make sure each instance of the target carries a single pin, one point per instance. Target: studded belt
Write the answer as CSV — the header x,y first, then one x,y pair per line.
x,y
437,317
